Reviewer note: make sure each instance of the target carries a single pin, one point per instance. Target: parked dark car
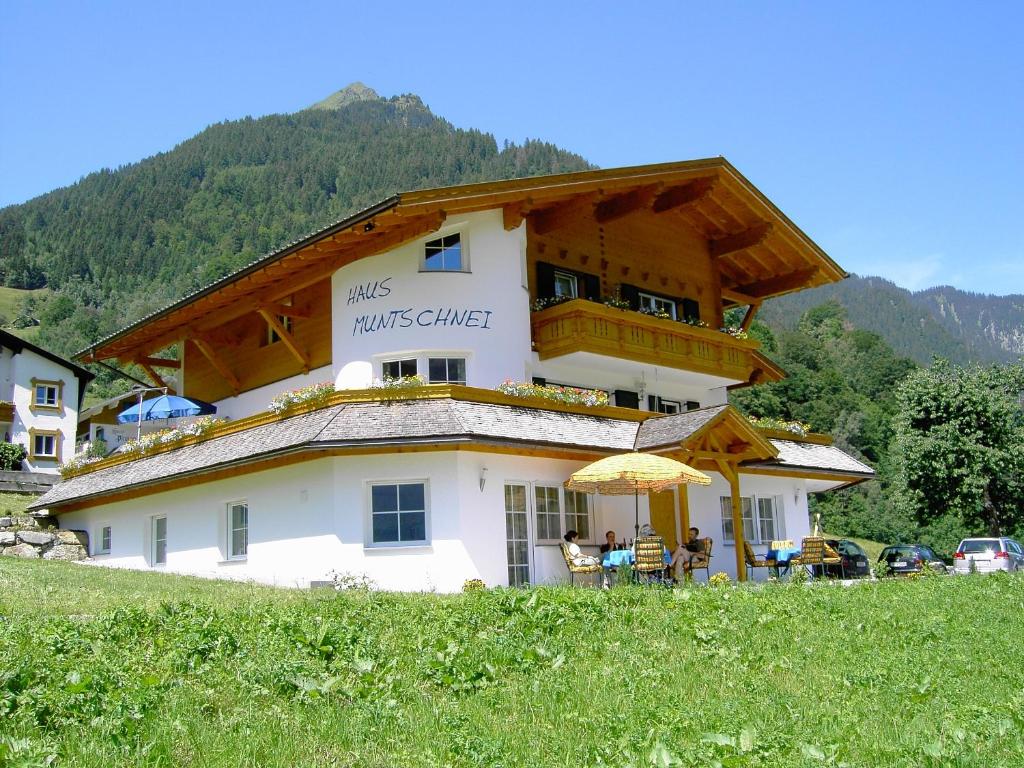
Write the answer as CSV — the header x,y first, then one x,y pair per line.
x,y
855,560
903,559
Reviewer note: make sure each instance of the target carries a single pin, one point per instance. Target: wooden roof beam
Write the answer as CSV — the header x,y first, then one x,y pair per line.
x,y
286,310
159,362
153,375
684,194
780,283
740,240
549,219
219,365
623,205
736,297
287,338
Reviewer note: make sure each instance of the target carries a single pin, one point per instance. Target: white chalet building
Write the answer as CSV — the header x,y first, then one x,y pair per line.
x,y
612,279
40,395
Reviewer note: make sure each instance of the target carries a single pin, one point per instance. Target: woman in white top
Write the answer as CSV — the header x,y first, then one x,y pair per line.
x,y
575,553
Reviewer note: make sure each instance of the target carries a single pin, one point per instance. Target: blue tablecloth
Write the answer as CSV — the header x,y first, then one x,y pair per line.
x,y
618,557
782,556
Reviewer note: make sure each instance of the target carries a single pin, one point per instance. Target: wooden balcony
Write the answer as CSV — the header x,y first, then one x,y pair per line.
x,y
586,326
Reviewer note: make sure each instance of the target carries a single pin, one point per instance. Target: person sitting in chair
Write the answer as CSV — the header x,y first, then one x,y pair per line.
x,y
575,553
609,542
691,553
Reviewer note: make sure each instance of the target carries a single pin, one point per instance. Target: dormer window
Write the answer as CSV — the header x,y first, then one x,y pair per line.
x,y
444,254
566,286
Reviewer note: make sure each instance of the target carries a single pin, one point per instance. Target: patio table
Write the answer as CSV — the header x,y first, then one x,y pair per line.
x,y
618,557
782,557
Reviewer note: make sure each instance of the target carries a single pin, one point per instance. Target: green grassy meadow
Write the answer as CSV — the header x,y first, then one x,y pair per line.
x,y
115,668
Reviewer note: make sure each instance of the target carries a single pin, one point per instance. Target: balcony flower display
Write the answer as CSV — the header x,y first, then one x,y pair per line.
x,y
402,382
550,301
736,333
796,428
74,466
592,398
314,393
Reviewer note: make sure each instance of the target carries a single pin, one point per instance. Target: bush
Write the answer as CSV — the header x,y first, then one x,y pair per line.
x,y
11,456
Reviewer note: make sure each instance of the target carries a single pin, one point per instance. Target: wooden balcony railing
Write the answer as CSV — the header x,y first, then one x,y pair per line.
x,y
586,326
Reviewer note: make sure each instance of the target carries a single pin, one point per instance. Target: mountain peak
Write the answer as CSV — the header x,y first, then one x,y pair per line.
x,y
348,95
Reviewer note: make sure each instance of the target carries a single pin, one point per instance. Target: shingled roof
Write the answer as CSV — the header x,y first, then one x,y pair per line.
x,y
423,421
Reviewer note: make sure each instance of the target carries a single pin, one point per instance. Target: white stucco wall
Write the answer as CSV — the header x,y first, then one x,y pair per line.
x,y
386,308
25,366
307,520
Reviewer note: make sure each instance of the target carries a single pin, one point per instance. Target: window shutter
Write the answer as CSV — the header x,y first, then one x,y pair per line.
x,y
692,405
691,309
626,399
591,286
540,382
545,280
652,402
631,294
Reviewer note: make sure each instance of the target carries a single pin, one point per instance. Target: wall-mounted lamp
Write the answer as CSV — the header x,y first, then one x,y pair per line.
x,y
483,478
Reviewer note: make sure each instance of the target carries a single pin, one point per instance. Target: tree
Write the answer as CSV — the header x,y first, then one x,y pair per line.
x,y
958,448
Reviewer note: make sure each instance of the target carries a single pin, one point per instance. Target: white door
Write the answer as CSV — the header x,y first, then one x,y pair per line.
x,y
517,536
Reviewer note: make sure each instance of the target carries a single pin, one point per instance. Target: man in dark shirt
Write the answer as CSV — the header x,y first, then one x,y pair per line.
x,y
691,553
609,542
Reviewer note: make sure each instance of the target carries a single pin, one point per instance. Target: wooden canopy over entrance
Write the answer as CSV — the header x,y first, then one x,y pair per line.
x,y
758,251
721,445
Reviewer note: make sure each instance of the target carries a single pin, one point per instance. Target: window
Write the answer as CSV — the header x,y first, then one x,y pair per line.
x,y
398,369
44,446
447,370
286,323
46,394
549,513
443,254
577,514
565,285
238,530
103,542
658,305
398,513
761,519
549,504
160,540
661,405
692,405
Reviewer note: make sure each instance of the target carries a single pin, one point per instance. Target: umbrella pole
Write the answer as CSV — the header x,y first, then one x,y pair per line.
x,y
636,511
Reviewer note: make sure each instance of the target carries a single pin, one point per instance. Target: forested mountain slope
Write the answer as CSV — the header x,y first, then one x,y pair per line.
x,y
947,322
120,243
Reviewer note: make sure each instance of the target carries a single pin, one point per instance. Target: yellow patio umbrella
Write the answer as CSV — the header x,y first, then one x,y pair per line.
x,y
634,473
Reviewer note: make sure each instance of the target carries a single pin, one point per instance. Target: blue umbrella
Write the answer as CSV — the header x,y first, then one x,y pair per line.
x,y
165,407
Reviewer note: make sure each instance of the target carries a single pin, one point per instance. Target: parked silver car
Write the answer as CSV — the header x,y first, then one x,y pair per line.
x,y
988,555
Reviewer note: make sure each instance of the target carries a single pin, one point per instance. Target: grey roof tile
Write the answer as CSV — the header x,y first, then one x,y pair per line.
x,y
669,430
801,455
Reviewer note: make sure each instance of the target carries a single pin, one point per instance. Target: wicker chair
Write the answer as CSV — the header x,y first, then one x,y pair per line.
x,y
812,554
574,569
649,565
706,565
753,562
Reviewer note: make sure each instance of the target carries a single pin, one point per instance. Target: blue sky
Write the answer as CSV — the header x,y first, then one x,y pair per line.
x,y
893,133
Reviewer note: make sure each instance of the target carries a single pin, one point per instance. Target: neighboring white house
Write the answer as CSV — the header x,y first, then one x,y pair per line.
x,y
40,396
615,280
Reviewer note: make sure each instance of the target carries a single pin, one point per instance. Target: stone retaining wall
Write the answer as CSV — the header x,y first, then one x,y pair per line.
x,y
33,537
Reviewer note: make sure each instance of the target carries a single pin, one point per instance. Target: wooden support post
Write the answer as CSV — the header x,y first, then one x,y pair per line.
x,y
684,513
732,475
289,341
217,363
748,318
